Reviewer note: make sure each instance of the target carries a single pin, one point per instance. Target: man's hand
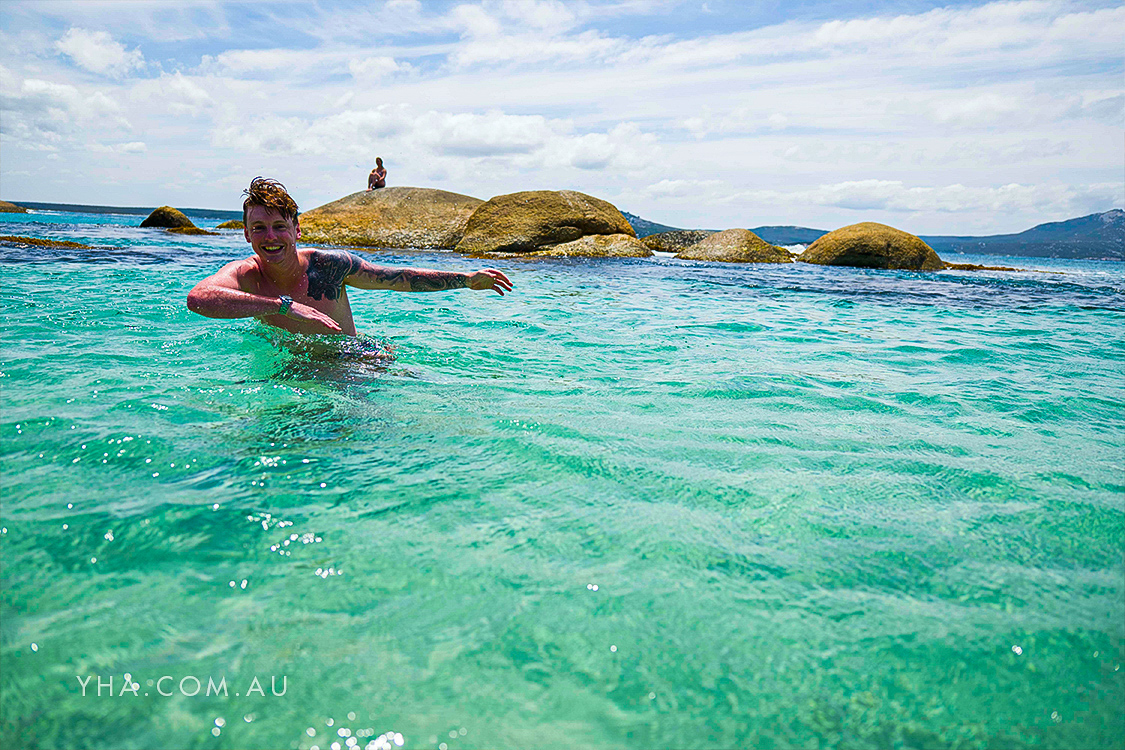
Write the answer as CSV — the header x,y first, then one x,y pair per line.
x,y
310,314
492,279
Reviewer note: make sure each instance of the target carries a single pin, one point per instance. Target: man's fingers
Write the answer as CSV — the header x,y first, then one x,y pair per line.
x,y
500,282
499,275
330,323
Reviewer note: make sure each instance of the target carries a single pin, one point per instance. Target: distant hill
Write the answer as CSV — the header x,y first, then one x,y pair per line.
x,y
1097,236
644,227
78,208
772,235
789,235
1100,236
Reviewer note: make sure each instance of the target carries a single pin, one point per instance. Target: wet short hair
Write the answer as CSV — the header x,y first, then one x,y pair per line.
x,y
269,194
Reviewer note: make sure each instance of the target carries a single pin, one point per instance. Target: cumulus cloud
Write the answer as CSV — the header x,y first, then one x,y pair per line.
x,y
528,31
526,141
97,52
43,114
182,95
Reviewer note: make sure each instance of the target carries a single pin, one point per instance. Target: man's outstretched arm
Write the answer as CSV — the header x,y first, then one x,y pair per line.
x,y
328,270
220,296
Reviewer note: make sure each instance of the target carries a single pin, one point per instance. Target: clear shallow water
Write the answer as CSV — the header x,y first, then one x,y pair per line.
x,y
633,504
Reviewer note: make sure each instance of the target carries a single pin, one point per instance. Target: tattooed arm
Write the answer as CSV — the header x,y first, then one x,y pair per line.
x,y
330,270
227,294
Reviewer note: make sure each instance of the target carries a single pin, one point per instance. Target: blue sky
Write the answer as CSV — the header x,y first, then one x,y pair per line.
x,y
958,118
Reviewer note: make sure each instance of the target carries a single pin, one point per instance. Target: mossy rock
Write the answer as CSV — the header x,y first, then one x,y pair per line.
x,y
167,217
11,208
590,246
36,242
872,245
535,219
395,217
736,246
676,240
232,224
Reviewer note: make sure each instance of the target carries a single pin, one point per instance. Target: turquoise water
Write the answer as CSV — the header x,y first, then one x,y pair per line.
x,y
634,504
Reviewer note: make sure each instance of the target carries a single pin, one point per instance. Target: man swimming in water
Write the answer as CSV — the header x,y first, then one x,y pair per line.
x,y
303,290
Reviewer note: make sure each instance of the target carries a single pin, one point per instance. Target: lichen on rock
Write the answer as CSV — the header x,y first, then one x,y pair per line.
x,y
590,246
677,240
533,220
394,217
873,245
736,246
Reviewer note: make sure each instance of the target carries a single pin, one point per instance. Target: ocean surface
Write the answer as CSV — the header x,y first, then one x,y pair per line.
x,y
634,504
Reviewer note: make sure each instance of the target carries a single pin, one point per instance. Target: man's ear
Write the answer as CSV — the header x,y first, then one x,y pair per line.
x,y
297,223
246,231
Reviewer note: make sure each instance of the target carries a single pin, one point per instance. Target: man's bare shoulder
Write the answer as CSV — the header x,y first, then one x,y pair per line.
x,y
245,273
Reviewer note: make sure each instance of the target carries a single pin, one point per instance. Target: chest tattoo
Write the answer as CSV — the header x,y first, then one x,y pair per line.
x,y
327,271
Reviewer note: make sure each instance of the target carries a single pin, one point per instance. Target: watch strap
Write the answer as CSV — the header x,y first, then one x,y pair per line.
x,y
286,303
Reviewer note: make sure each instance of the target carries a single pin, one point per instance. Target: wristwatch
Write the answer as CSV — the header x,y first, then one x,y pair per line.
x,y
286,303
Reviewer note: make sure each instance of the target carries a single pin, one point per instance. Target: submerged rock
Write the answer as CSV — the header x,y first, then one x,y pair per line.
x,y
20,241
736,246
872,245
676,240
391,217
975,267
232,224
168,218
532,220
11,208
189,230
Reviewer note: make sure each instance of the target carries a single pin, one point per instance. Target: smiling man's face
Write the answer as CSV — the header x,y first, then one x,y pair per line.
x,y
272,235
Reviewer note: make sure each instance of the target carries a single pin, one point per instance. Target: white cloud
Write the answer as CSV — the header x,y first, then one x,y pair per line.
x,y
542,14
252,62
474,21
520,141
182,95
490,134
374,67
97,52
744,119
625,147
132,147
897,197
42,114
537,48
678,188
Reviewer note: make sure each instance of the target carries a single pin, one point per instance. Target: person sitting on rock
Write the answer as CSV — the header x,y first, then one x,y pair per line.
x,y
378,176
305,290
